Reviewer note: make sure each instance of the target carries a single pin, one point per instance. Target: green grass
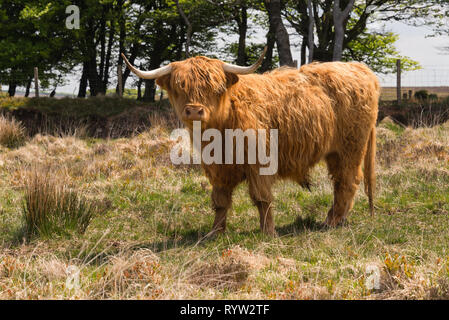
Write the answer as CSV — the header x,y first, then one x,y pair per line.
x,y
150,240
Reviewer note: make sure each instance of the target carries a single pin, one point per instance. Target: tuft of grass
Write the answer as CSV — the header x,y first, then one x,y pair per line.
x,y
52,209
12,133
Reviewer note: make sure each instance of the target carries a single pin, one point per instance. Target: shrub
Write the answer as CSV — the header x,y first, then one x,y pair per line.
x,y
433,97
12,133
52,209
422,95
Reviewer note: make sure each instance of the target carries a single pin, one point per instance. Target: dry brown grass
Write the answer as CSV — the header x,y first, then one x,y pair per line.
x,y
12,133
51,207
389,93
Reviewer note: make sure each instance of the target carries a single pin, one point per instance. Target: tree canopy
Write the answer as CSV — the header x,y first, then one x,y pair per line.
x,y
154,32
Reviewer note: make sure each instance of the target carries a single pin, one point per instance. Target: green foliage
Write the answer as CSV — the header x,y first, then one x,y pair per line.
x,y
433,97
32,36
378,51
153,33
422,95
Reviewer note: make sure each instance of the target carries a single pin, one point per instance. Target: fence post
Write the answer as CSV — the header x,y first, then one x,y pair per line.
x,y
295,64
36,82
120,80
398,84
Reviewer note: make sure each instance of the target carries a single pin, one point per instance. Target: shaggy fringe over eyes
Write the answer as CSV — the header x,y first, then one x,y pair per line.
x,y
199,75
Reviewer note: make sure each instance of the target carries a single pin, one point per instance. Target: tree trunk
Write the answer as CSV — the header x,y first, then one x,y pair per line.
x,y
90,57
281,34
266,64
338,42
150,91
105,78
311,39
189,28
303,51
102,36
83,83
242,23
28,87
340,21
139,89
150,85
95,82
12,89
127,72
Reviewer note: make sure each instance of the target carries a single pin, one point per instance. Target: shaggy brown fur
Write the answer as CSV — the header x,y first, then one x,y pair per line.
x,y
322,111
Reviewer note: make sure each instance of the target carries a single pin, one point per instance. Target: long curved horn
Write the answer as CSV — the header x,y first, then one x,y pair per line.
x,y
153,74
244,70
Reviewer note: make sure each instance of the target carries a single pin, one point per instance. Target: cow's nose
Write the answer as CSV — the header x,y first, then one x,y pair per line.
x,y
193,113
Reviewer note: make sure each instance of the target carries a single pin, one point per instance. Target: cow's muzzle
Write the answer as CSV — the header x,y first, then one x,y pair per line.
x,y
194,112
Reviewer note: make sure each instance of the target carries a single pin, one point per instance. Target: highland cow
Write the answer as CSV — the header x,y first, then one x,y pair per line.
x,y
323,111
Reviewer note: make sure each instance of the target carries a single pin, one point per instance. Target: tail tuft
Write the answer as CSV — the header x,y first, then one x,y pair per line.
x,y
369,171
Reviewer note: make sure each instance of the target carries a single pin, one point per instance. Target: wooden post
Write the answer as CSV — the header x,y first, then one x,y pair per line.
x,y
36,82
295,64
120,80
398,84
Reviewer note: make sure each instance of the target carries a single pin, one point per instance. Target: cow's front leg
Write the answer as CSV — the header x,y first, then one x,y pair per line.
x,y
221,202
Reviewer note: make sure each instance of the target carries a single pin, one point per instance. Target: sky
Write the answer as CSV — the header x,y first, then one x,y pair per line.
x,y
413,42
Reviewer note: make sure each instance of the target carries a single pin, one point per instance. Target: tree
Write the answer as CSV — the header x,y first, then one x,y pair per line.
x,y
311,27
29,39
240,16
378,51
340,21
189,28
277,26
359,16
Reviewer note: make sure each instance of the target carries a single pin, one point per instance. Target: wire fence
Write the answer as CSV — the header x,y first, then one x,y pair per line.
x,y
432,78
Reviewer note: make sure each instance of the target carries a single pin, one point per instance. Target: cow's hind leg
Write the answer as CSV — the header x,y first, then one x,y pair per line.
x,y
260,193
221,202
346,176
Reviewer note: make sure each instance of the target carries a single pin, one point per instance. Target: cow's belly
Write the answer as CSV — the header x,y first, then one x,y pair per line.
x,y
224,175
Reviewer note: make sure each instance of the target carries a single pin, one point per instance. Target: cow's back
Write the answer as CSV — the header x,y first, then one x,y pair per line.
x,y
313,109
354,90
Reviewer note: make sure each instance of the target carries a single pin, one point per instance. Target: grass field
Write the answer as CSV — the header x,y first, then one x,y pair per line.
x,y
390,93
146,239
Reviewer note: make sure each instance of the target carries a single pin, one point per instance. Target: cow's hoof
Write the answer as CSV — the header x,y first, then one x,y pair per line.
x,y
334,223
270,233
214,233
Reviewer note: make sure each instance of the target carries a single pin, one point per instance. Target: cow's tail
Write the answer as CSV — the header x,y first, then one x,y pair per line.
x,y
369,172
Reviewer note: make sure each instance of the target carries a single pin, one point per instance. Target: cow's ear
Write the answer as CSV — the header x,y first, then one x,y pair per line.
x,y
231,79
164,82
